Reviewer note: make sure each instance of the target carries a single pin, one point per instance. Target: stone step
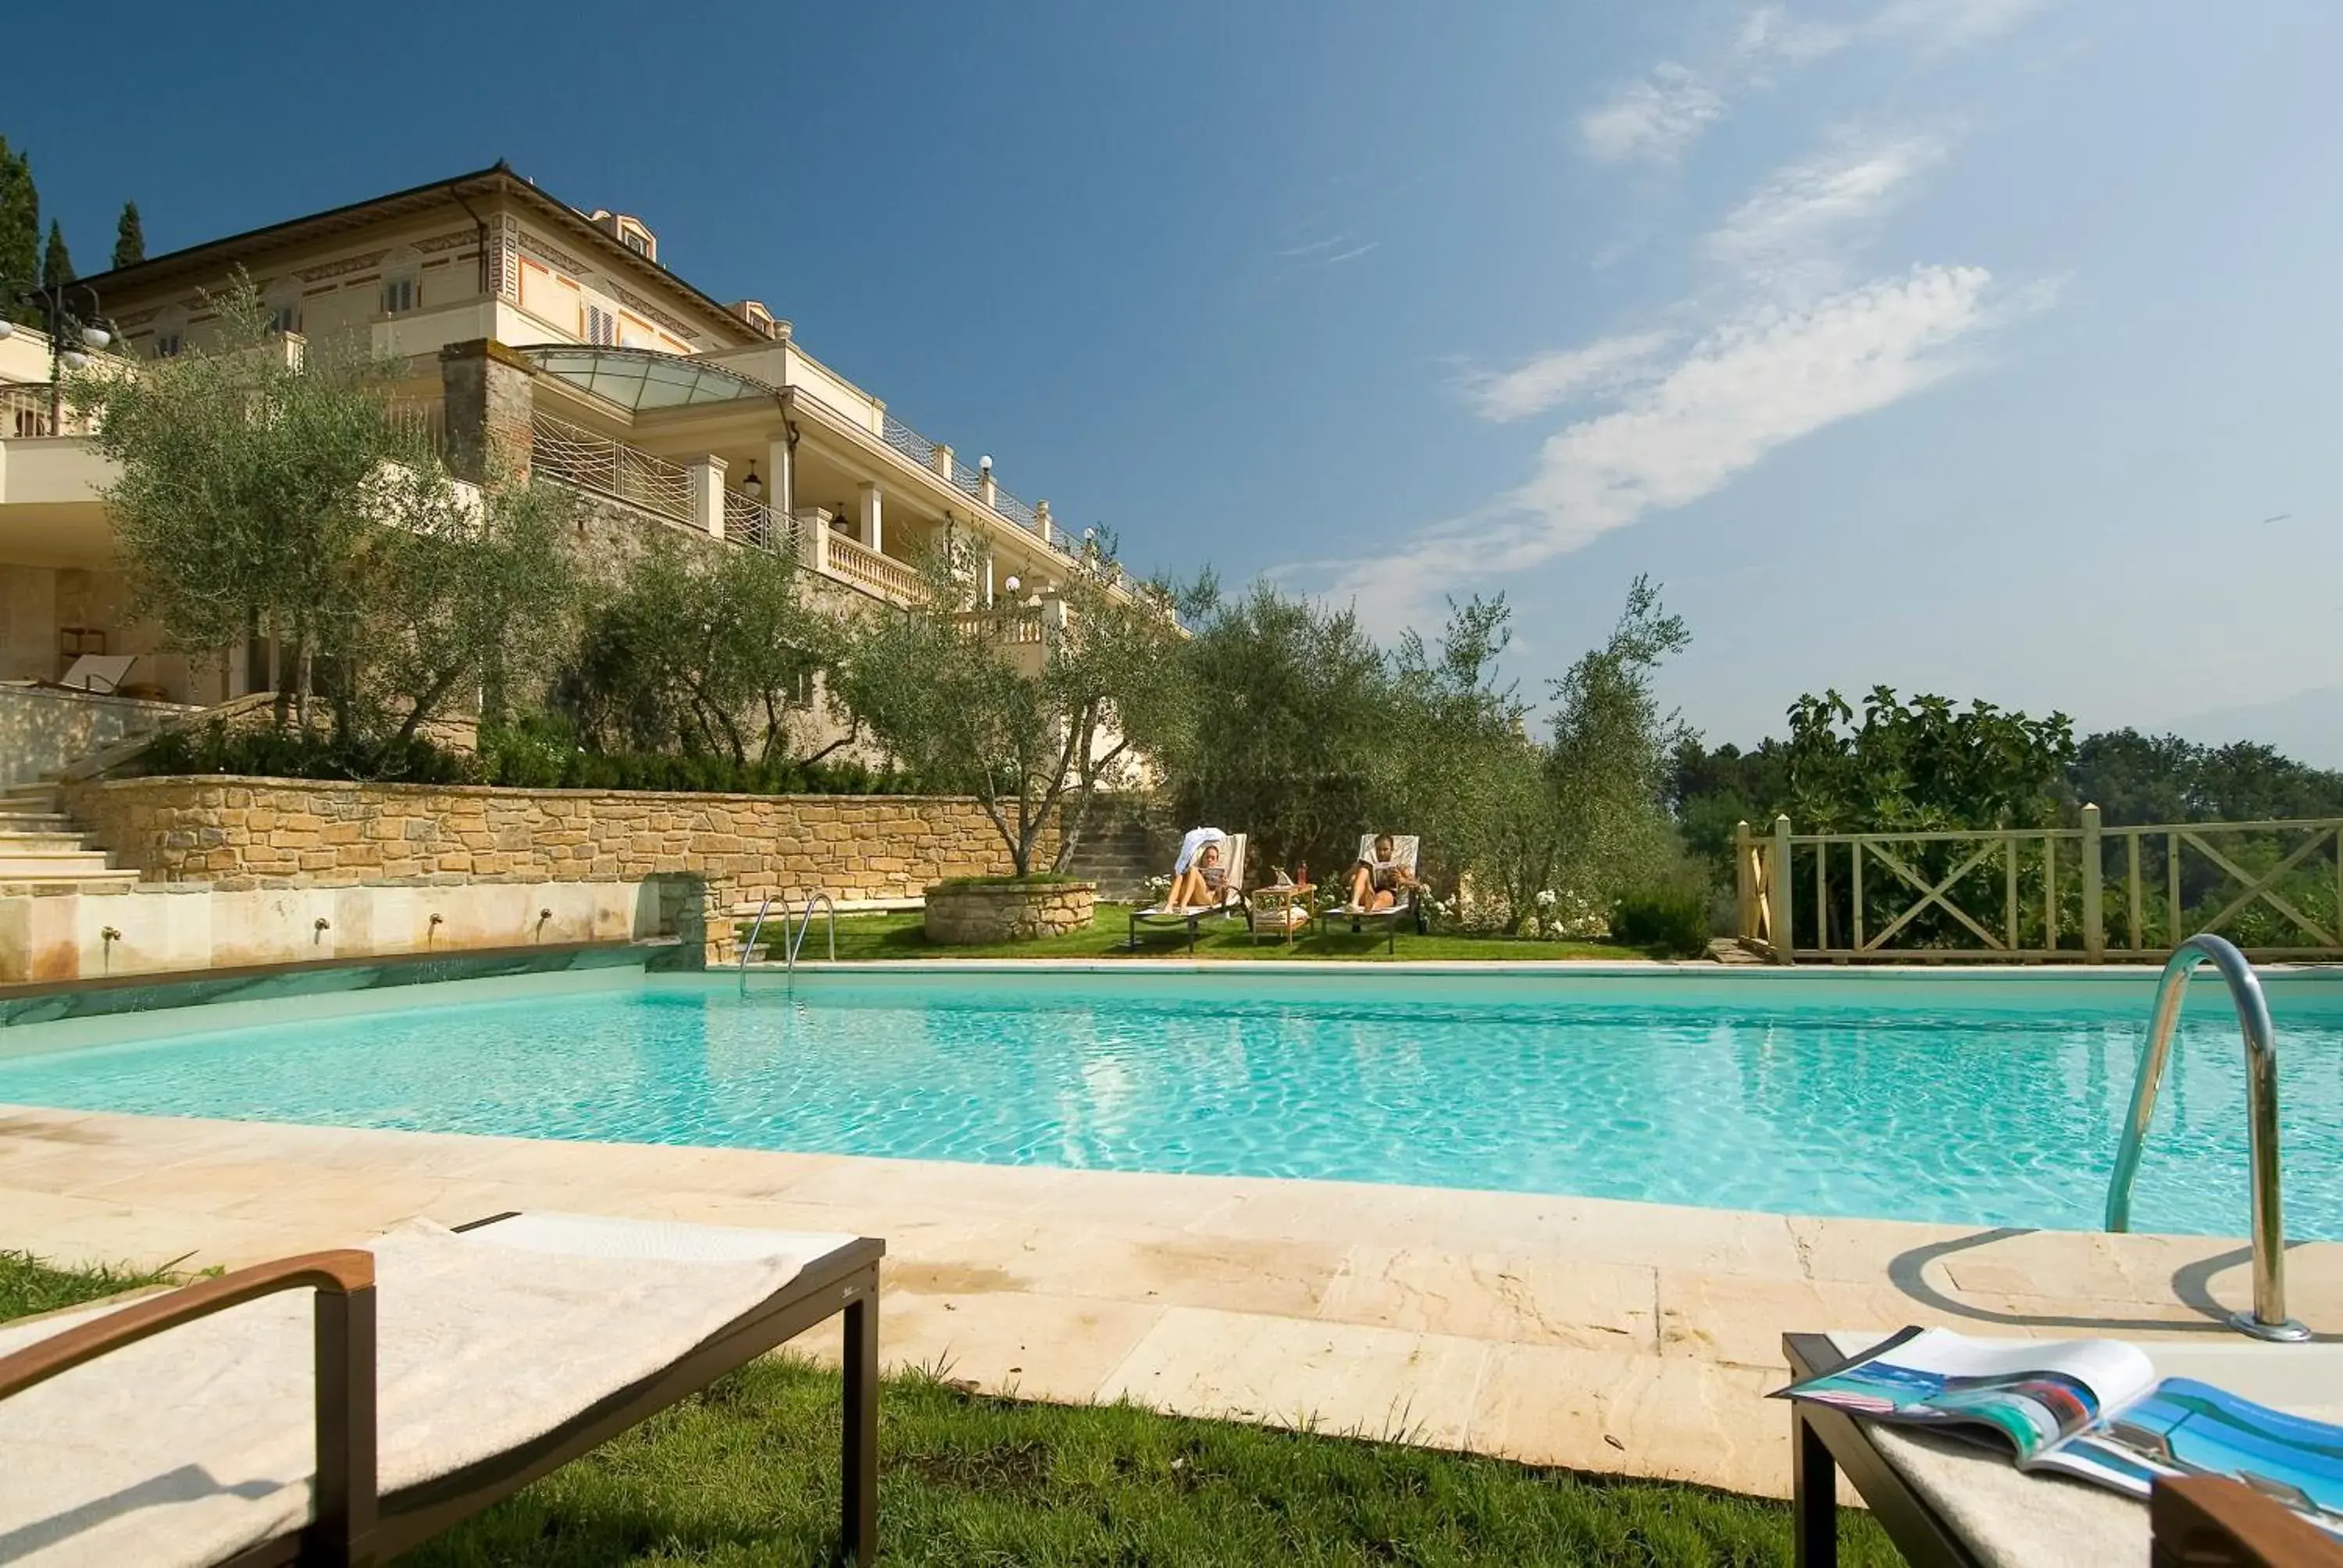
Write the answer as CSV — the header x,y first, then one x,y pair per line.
x,y
65,866
40,841
91,882
35,822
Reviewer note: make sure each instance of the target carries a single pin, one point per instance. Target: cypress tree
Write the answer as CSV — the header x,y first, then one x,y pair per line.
x,y
129,239
20,229
56,266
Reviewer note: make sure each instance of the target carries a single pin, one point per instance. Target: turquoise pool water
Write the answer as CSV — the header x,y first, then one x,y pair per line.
x,y
1850,1099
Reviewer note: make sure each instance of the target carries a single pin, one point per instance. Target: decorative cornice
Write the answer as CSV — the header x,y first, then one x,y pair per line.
x,y
544,252
337,268
638,303
439,242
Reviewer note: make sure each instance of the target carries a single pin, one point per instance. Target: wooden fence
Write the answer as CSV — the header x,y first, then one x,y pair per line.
x,y
2087,894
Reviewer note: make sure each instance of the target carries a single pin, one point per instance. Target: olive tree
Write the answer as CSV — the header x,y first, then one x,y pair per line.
x,y
707,650
1033,709
266,491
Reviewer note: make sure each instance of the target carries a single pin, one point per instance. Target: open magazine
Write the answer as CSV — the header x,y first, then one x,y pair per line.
x,y
2092,1408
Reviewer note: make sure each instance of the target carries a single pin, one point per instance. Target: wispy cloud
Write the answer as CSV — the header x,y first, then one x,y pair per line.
x,y
1549,379
1690,427
1791,235
1353,254
1658,116
1313,247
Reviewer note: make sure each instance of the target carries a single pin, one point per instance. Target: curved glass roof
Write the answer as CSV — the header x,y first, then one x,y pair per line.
x,y
639,379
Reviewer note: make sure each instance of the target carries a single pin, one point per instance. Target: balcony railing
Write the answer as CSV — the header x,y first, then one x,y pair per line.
x,y
866,568
27,408
751,522
575,456
912,447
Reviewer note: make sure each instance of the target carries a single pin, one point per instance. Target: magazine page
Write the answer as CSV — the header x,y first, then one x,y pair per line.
x,y
2187,1428
2033,1393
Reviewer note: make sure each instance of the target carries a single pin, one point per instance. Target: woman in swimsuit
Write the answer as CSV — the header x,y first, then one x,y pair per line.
x,y
1204,885
1377,884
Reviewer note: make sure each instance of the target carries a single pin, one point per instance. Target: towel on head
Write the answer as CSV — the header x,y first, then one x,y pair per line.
x,y
1193,844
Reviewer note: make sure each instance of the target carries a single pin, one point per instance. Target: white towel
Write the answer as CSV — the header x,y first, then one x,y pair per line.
x,y
1196,839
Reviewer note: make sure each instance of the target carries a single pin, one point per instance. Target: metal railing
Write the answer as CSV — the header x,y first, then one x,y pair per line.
x,y
751,522
2091,892
30,408
2267,1319
575,456
796,941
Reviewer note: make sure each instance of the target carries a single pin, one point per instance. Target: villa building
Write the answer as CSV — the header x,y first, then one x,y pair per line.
x,y
537,338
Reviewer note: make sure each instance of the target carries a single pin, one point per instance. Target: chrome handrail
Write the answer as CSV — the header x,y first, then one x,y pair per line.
x,y
749,947
2268,1321
798,941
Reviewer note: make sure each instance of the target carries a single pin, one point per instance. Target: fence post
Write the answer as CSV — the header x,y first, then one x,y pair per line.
x,y
2095,936
1745,882
1777,890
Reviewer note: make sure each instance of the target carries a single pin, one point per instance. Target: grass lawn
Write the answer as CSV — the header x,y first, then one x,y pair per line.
x,y
747,1473
901,936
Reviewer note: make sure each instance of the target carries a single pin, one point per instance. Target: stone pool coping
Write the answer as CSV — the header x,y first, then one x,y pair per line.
x,y
1609,1336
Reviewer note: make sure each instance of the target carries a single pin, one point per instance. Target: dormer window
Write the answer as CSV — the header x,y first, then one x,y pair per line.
x,y
639,242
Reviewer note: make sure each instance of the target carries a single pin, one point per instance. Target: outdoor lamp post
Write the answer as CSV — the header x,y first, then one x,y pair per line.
x,y
51,303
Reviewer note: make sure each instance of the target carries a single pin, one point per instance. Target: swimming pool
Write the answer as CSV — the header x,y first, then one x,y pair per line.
x,y
1922,1097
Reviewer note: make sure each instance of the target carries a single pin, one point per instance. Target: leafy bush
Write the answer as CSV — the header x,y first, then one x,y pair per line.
x,y
1672,920
541,755
267,752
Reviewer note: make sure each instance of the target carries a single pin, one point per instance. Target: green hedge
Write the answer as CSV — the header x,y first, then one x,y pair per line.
x,y
1669,920
518,759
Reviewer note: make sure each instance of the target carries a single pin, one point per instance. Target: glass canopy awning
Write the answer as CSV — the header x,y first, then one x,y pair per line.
x,y
643,378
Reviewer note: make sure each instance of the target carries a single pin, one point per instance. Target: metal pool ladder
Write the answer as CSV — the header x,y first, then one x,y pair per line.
x,y
790,941
798,941
2267,1319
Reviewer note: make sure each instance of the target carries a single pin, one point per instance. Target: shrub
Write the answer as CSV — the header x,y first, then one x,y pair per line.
x,y
267,752
1671,920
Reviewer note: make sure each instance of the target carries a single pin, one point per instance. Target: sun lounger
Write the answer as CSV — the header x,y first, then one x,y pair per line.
x,y
1232,902
1949,1502
1404,850
427,1377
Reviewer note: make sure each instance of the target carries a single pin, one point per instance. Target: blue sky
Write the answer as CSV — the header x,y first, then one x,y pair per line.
x,y
1962,345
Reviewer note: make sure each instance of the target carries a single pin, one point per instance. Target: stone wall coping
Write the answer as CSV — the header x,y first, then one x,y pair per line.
x,y
495,791
989,889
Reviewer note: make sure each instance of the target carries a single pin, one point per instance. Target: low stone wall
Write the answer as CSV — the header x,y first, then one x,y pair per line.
x,y
255,833
972,914
44,728
60,934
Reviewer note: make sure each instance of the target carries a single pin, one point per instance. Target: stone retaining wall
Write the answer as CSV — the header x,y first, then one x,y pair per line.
x,y
261,833
970,914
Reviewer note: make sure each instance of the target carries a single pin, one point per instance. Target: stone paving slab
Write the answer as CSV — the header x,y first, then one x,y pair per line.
x,y
1625,1338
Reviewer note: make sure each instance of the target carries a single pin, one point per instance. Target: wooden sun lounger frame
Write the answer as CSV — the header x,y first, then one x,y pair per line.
x,y
353,1524
2202,1522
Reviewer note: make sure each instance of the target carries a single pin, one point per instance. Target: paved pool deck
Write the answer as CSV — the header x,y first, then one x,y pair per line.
x,y
1608,1336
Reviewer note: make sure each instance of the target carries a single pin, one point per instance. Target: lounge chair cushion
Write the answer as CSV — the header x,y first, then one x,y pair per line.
x,y
192,1445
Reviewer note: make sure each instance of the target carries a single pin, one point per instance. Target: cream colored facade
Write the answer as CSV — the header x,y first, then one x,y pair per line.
x,y
612,372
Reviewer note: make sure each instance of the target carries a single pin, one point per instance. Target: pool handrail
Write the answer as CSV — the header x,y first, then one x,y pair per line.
x,y
798,941
2267,1319
748,947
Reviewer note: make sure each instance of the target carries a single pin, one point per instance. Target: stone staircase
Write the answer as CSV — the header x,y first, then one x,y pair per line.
x,y
1117,852
40,845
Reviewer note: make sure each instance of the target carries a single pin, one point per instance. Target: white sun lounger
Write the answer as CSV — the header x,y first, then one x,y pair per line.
x,y
1405,848
342,1406
1233,901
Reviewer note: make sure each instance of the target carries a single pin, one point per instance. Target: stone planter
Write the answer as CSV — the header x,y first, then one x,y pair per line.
x,y
971,913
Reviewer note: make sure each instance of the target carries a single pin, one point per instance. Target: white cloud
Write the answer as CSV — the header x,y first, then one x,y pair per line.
x,y
1656,118
1735,397
1786,236
1539,384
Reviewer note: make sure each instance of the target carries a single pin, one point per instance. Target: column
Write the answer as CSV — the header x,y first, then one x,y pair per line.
x,y
987,579
707,478
939,458
1041,520
872,531
986,490
780,462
